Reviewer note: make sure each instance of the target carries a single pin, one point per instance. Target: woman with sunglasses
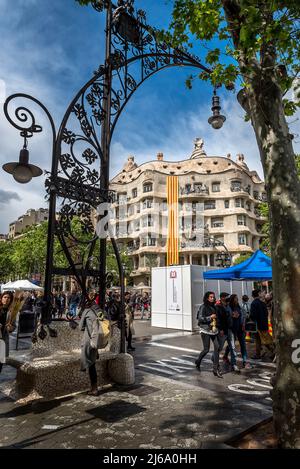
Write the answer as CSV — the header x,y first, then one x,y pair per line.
x,y
207,321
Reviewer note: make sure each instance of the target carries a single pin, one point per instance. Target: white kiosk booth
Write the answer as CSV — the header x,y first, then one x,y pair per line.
x,y
178,291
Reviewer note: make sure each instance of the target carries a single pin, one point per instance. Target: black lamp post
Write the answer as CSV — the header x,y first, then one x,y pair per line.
x,y
80,178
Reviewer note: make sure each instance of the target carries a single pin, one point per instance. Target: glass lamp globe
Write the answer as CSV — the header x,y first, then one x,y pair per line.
x,y
22,174
216,121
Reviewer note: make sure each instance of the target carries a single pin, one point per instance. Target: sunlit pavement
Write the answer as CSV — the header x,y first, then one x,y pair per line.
x,y
171,405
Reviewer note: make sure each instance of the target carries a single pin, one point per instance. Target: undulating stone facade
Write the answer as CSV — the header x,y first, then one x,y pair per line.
x,y
223,194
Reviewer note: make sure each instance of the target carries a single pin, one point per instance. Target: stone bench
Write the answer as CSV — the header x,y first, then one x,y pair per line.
x,y
52,367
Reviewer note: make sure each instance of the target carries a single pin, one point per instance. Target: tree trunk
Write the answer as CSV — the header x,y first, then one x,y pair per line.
x,y
264,100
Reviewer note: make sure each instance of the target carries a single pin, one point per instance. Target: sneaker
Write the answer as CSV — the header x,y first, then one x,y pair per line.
x,y
247,366
197,365
93,392
235,368
131,349
217,373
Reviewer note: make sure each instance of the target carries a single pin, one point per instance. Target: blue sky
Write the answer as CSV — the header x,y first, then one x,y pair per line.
x,y
50,49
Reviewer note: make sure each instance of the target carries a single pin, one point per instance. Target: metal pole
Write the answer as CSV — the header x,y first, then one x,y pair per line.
x,y
105,144
122,284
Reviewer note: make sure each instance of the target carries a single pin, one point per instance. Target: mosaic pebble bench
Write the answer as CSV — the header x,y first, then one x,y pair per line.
x,y
52,367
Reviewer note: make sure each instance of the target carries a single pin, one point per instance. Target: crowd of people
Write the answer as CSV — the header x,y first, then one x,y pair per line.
x,y
225,321
70,304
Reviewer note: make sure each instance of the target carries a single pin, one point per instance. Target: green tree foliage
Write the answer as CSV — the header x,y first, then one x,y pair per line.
x,y
248,32
26,255
242,258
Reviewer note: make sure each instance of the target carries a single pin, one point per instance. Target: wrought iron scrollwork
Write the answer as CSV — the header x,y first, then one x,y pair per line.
x,y
79,179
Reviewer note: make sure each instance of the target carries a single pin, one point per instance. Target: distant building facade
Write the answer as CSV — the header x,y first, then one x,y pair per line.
x,y
226,193
30,218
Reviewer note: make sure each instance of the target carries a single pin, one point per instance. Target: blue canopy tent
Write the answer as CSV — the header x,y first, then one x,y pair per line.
x,y
257,267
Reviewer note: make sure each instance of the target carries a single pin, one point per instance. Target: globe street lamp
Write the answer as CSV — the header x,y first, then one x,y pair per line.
x,y
216,120
22,171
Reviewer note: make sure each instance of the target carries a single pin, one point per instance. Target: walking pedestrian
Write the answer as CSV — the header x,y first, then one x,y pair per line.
x,y
144,304
89,355
7,325
225,321
74,300
238,332
129,322
61,304
259,314
207,320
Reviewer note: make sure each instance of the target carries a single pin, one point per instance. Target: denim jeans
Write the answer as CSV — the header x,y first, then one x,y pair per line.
x,y
231,347
73,309
206,338
241,337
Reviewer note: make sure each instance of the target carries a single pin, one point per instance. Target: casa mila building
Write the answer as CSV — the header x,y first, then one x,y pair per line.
x,y
217,210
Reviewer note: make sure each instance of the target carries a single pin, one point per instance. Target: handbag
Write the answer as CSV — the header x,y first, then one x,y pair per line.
x,y
265,338
2,351
250,326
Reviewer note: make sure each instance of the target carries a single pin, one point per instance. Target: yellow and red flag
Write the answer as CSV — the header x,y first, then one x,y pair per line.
x,y
173,228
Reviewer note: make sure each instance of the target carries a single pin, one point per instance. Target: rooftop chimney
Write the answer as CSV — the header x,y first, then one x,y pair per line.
x,y
160,156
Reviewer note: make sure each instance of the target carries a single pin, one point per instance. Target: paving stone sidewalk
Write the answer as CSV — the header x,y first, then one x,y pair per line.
x,y
154,413
157,412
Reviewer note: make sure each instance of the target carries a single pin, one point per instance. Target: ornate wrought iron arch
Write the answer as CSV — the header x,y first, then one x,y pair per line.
x,y
79,178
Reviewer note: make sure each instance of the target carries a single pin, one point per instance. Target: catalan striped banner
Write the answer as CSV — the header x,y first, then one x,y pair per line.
x,y
173,228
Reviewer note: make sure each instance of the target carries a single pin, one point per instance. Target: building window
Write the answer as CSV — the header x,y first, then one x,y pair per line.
x,y
147,203
130,210
164,205
148,187
241,220
239,203
226,203
264,197
217,223
138,208
215,187
209,204
255,195
248,206
150,221
137,226
151,242
134,193
242,237
236,186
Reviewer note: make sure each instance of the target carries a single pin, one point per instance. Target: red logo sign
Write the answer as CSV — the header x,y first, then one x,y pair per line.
x,y
173,274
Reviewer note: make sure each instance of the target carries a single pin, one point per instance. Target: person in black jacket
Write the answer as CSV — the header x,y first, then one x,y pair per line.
x,y
226,326
259,314
207,320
